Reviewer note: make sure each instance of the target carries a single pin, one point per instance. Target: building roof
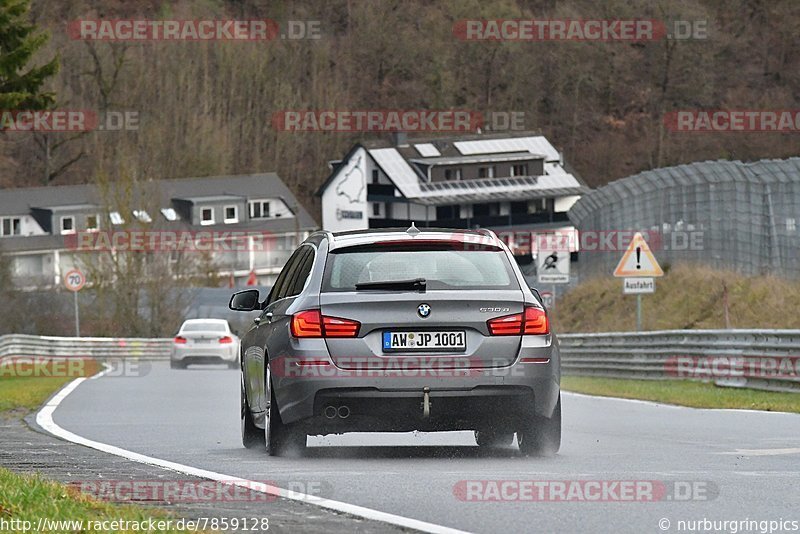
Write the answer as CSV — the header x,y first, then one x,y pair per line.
x,y
264,185
477,158
20,202
402,165
67,207
212,198
704,172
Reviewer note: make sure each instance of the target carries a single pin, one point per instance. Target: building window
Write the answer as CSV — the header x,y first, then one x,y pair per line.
x,y
116,218
452,174
490,209
68,225
376,209
259,209
11,226
447,212
486,172
207,216
519,207
92,223
791,224
520,169
375,176
231,214
538,205
142,215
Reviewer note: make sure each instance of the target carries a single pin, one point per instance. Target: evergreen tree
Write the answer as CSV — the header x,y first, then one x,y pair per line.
x,y
19,42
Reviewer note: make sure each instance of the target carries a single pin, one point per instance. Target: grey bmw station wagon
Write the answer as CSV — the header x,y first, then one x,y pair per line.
x,y
398,330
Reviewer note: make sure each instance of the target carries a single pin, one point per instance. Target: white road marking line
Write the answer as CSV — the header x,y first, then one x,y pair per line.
x,y
676,406
44,418
763,452
107,367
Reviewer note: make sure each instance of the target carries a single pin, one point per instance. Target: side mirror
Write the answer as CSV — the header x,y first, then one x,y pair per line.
x,y
537,295
247,300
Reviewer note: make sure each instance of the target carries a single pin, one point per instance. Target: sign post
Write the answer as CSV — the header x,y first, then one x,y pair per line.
x,y
547,300
638,267
552,266
74,280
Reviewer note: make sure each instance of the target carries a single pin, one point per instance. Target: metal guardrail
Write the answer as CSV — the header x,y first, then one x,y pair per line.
x,y
100,348
756,359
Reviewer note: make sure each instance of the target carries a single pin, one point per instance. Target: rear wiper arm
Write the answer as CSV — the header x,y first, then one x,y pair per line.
x,y
399,285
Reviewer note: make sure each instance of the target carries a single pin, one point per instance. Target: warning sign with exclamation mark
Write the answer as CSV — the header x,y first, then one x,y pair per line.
x,y
638,261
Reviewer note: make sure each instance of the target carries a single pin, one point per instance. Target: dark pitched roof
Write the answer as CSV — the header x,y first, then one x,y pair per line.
x,y
263,185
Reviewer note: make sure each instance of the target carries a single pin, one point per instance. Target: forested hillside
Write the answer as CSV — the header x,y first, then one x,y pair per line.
x,y
205,107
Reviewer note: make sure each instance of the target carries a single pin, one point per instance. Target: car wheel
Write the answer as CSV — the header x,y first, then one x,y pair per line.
x,y
281,439
492,439
541,436
252,436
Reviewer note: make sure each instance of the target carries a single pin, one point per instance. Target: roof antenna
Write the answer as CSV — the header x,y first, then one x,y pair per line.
x,y
413,231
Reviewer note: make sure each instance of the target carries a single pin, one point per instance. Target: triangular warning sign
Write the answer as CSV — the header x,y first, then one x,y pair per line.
x,y
638,260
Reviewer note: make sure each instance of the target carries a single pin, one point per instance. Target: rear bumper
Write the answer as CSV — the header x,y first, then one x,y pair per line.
x,y
226,354
393,400
367,409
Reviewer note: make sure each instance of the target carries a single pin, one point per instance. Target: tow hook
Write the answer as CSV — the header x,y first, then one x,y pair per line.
x,y
426,402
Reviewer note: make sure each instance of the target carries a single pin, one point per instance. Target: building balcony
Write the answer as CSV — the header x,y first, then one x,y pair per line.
x,y
487,221
382,190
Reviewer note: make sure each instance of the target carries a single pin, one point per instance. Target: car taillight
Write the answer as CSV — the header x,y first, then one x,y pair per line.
x,y
338,327
508,325
536,321
311,323
307,324
226,339
532,321
180,340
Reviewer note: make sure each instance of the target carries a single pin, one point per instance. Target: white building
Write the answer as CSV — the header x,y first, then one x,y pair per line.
x,y
503,182
42,228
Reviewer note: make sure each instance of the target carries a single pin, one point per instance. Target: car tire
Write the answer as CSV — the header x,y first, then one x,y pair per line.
x,y
281,439
541,436
490,439
252,436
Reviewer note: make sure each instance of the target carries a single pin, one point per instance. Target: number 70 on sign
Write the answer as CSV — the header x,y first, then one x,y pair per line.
x,y
74,280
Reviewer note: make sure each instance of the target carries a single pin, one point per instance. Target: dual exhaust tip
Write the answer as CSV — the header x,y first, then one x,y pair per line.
x,y
332,412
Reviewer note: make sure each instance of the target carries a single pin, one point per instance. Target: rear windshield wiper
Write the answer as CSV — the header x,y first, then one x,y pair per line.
x,y
397,285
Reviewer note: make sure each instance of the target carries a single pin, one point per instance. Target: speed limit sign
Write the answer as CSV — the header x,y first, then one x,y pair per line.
x,y
74,280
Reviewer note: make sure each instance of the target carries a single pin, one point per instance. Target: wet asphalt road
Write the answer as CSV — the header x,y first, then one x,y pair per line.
x,y
741,465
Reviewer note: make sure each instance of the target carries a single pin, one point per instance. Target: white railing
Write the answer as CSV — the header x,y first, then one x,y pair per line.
x,y
100,348
757,359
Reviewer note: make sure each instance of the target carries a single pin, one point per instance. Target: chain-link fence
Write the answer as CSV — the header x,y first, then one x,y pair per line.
x,y
726,214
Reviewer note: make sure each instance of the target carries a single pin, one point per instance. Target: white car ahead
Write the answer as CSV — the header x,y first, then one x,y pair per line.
x,y
205,341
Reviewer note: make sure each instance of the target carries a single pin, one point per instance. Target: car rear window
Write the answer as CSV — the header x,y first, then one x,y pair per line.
x,y
204,327
441,267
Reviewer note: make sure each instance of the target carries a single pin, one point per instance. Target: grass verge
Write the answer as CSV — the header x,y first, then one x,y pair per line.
x,y
29,498
26,392
687,297
684,393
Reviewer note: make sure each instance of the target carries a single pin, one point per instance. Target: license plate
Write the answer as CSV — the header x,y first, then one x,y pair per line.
x,y
455,340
